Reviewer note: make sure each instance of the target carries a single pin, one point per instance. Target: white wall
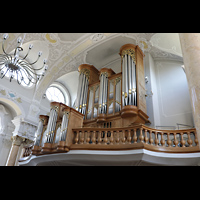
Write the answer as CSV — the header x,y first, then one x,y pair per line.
x,y
168,100
173,94
151,91
5,136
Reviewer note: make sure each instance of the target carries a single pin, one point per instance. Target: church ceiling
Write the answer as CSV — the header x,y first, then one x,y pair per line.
x,y
66,51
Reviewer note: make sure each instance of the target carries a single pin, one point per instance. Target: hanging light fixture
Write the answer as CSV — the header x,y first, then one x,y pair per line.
x,y
13,66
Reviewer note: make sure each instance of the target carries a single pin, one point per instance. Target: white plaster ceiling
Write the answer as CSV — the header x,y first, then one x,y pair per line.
x,y
66,51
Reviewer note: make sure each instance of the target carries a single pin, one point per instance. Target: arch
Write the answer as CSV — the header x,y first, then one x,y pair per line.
x,y
16,108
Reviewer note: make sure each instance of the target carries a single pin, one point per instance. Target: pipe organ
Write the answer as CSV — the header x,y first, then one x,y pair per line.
x,y
104,100
129,78
114,97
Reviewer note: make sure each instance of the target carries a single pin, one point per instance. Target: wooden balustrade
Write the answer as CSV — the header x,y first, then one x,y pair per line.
x,y
27,153
139,136
130,138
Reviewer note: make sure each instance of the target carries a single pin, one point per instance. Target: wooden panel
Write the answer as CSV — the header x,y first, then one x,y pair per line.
x,y
140,81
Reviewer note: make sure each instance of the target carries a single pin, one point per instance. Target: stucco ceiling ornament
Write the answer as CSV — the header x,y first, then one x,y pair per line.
x,y
143,44
97,37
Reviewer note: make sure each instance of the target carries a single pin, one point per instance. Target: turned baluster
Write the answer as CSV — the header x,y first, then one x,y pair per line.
x,y
168,139
135,136
189,139
117,138
88,137
182,140
81,137
76,138
105,138
150,137
156,138
141,137
162,141
94,137
175,140
196,138
146,139
129,136
99,138
111,138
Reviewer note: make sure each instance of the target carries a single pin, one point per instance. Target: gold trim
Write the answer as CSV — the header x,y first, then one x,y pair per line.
x,y
104,73
129,52
86,72
126,95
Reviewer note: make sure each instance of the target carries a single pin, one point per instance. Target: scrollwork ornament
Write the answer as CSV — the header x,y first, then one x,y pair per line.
x,y
129,52
86,72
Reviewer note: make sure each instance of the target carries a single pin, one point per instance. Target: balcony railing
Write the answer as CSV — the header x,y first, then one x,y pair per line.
x,y
129,138
137,137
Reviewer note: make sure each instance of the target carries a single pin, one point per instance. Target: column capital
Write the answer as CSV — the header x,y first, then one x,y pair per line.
x,y
17,140
23,128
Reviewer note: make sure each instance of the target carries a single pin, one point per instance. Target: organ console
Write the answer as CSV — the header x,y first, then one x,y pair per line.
x,y
104,100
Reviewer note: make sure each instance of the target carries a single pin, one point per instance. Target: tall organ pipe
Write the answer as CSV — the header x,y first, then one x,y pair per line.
x,y
134,84
126,80
51,124
82,90
129,80
123,83
78,91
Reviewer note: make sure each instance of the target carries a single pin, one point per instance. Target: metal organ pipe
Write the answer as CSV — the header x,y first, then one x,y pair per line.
x,y
123,83
38,133
134,83
64,126
78,92
85,96
82,90
51,125
128,80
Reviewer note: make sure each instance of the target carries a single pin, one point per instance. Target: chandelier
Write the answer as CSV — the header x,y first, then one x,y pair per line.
x,y
16,67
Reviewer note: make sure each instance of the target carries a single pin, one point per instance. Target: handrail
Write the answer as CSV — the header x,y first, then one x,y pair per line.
x,y
138,136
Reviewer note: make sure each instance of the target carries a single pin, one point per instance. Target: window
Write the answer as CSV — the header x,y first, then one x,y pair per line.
x,y
55,94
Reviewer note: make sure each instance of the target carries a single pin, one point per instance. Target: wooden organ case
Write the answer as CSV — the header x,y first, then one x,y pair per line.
x,y
104,100
113,100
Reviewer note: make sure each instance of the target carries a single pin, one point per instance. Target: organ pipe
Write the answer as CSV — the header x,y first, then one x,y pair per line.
x,y
103,93
81,100
52,123
129,78
64,126
38,133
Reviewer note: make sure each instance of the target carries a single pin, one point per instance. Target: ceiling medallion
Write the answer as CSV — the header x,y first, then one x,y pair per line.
x,y
13,66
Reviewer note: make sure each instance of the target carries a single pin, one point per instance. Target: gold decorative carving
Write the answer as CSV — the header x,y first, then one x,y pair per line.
x,y
126,95
129,52
118,79
86,72
104,73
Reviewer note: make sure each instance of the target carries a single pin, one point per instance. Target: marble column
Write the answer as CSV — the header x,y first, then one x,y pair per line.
x,y
190,43
17,141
